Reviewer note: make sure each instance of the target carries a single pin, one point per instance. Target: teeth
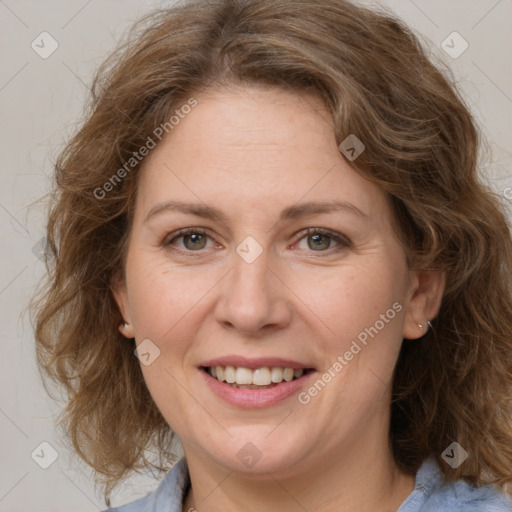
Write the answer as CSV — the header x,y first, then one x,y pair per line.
x,y
288,374
229,374
261,377
277,374
243,376
258,377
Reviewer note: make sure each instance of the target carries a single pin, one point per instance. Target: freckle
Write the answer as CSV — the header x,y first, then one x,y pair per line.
x,y
165,272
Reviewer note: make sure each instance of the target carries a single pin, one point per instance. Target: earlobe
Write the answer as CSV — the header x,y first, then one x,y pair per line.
x,y
126,330
425,300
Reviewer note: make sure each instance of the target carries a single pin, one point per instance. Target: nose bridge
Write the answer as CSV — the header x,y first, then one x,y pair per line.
x,y
251,270
252,297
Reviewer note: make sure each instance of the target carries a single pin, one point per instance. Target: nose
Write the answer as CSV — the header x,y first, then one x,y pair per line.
x,y
253,299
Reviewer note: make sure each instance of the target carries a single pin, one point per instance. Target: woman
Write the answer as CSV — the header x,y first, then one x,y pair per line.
x,y
269,238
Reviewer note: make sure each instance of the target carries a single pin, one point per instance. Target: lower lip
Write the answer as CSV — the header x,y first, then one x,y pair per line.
x,y
254,398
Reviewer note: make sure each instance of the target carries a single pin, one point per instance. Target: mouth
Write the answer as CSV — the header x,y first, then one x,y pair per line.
x,y
255,378
255,382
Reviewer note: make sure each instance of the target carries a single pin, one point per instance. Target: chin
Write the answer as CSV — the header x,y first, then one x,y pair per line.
x,y
253,455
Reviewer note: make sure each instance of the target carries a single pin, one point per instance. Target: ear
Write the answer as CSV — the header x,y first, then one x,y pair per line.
x,y
425,296
120,293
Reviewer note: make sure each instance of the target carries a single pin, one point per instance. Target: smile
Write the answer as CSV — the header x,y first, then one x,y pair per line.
x,y
260,383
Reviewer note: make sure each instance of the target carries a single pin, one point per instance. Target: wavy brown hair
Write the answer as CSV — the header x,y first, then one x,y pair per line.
x,y
422,148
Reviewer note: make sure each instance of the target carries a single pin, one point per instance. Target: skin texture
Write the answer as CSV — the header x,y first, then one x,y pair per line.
x,y
251,153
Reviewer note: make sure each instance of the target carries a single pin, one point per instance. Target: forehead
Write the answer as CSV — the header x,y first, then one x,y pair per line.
x,y
253,148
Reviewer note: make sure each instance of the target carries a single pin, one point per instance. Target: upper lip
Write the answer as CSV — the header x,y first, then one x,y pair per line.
x,y
256,362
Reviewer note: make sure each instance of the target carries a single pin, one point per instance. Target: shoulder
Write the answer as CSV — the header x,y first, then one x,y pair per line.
x,y
168,495
461,497
433,494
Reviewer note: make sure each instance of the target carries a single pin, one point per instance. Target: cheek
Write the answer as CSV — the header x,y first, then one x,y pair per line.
x,y
362,307
350,298
164,298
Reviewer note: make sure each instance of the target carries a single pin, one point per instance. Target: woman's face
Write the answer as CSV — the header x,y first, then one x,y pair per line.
x,y
249,286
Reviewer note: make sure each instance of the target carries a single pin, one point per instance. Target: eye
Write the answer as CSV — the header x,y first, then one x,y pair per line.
x,y
194,239
317,240
320,240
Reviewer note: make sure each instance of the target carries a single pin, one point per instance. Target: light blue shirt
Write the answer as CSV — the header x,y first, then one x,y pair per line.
x,y
430,494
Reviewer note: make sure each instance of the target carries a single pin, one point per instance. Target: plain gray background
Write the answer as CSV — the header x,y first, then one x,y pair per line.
x,y
41,102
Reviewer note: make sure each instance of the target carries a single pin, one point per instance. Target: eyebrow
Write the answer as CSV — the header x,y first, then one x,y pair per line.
x,y
297,211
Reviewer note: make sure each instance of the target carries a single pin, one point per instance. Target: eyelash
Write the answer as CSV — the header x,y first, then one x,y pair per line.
x,y
343,241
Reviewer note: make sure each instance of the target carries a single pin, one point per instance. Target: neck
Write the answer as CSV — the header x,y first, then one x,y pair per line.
x,y
363,479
